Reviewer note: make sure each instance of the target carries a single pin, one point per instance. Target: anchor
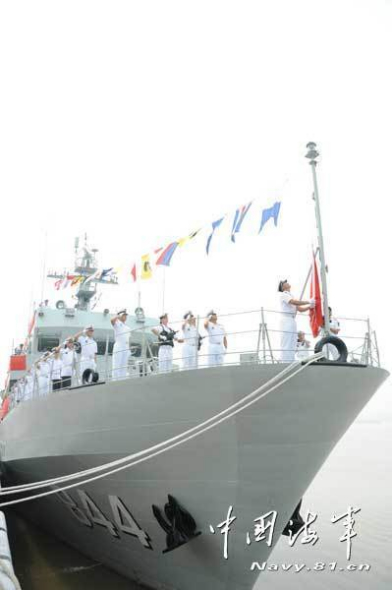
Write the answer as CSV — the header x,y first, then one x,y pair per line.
x,y
179,525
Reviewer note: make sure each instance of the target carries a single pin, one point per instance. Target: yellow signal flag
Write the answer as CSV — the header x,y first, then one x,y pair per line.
x,y
77,280
183,241
146,270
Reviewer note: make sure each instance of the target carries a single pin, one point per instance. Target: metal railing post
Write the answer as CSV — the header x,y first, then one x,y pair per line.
x,y
259,332
144,351
107,358
197,345
50,377
263,334
377,349
369,345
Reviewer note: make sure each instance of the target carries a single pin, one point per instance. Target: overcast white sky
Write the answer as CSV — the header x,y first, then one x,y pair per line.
x,y
137,122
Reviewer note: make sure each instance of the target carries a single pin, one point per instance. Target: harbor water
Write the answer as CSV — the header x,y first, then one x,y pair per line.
x,y
357,474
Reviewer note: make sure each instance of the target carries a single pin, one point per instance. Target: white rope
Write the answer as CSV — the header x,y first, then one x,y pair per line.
x,y
184,437
92,470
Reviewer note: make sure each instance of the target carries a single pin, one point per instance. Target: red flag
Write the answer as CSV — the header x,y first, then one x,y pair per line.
x,y
5,406
133,272
315,314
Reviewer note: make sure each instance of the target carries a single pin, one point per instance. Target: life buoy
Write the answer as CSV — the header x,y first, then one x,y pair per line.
x,y
89,376
337,344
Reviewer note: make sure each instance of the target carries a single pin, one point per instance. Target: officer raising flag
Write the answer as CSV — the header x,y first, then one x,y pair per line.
x,y
289,332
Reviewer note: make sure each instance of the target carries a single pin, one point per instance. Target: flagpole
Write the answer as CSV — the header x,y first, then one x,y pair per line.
x,y
44,265
163,289
312,155
308,277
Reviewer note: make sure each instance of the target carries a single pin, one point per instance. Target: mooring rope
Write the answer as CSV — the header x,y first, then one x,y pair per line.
x,y
151,452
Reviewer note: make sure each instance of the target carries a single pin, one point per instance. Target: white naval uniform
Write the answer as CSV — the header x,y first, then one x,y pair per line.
x,y
334,324
68,359
288,326
190,335
329,349
29,387
165,352
20,389
88,351
216,348
55,369
303,350
14,394
43,378
120,350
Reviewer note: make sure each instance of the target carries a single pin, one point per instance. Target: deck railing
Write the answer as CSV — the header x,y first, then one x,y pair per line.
x,y
253,337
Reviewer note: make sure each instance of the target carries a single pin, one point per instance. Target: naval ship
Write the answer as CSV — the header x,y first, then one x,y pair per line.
x,y
227,447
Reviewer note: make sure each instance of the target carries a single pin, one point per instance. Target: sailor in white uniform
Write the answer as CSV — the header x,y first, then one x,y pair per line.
x,y
20,390
43,373
166,337
334,327
303,347
56,364
88,351
29,386
68,358
190,337
121,349
217,340
289,307
14,394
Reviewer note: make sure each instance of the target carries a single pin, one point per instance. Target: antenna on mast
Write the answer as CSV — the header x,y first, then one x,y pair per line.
x,y
312,155
86,269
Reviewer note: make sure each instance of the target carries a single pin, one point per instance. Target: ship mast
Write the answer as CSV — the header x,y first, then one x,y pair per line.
x,y
312,155
86,267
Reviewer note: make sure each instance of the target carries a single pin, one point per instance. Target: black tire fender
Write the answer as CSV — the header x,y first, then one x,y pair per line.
x,y
89,376
337,343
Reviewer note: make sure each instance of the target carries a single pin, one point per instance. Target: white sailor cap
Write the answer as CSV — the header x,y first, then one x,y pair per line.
x,y
89,328
188,315
122,312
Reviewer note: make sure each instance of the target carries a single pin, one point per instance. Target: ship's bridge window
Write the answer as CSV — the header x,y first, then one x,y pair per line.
x,y
101,345
47,342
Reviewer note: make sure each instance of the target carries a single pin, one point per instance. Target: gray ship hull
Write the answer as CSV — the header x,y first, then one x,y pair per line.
x,y
261,460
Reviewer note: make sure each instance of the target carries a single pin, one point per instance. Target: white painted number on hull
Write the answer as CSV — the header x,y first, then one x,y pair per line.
x,y
95,514
90,514
78,513
126,523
